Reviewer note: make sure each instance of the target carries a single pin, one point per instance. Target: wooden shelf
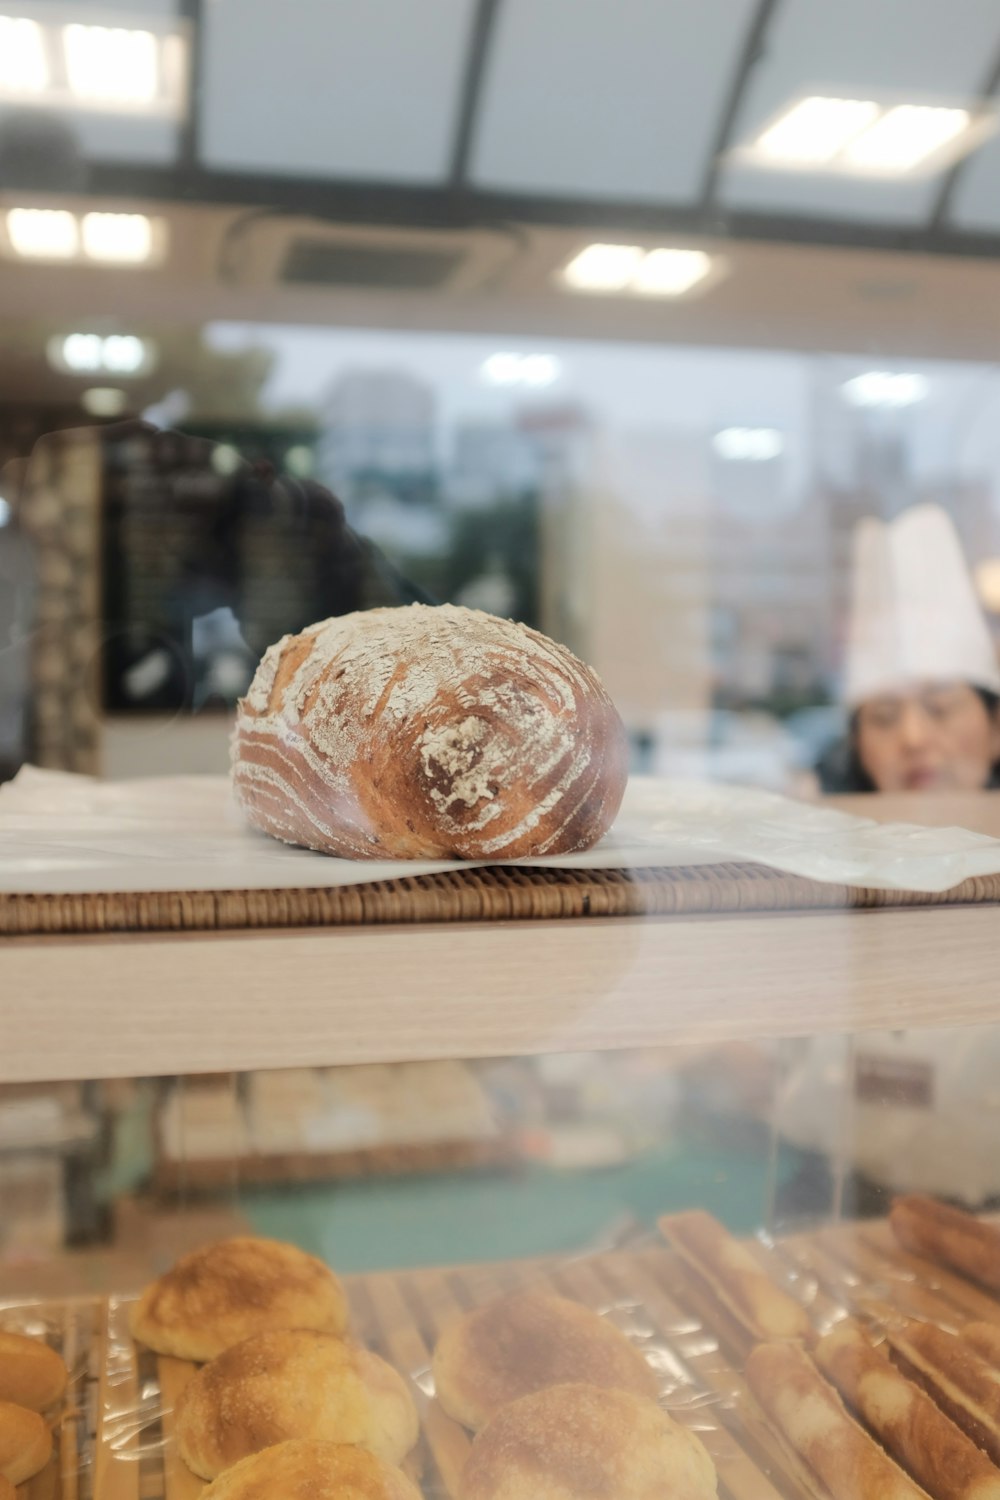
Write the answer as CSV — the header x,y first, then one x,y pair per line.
x,y
95,1007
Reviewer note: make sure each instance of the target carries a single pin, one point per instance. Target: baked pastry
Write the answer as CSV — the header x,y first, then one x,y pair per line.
x,y
292,1383
949,1236
811,1418
964,1385
25,1442
905,1419
523,1342
7,1490
428,733
576,1442
31,1374
736,1279
226,1291
984,1338
304,1470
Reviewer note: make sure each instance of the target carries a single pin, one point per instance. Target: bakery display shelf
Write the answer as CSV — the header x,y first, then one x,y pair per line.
x,y
115,1440
490,894
173,1178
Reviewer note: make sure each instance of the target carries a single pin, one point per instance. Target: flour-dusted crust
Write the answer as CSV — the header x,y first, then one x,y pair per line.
x,y
305,1470
428,732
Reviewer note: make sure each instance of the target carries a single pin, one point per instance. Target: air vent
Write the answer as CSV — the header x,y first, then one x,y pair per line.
x,y
316,262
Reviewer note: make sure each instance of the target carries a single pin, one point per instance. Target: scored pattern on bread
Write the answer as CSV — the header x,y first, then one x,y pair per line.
x,y
949,1236
905,1418
428,732
964,1385
812,1418
735,1277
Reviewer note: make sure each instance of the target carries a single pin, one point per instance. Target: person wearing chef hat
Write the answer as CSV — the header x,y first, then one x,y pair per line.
x,y
922,681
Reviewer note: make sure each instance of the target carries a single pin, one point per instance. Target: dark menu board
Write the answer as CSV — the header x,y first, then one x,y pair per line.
x,y
209,559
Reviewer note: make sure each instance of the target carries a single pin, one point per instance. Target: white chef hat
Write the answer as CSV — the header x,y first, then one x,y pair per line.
x,y
914,613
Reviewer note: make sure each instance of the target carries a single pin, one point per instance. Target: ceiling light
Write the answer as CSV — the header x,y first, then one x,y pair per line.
x,y
906,136
124,239
883,388
603,268
24,66
103,401
111,64
225,459
814,130
89,354
520,369
670,273
748,444
42,233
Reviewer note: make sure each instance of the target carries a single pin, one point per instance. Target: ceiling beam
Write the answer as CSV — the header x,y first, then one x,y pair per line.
x,y
753,49
416,207
941,211
483,30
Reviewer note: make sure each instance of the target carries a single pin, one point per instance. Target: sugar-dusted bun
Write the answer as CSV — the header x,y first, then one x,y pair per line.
x,y
25,1442
292,1384
31,1374
218,1295
302,1469
572,1441
523,1342
428,733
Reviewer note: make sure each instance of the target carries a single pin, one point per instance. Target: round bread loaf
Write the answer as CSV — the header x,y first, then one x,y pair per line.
x,y
575,1442
7,1490
428,733
218,1295
523,1342
305,1470
25,1442
292,1384
31,1374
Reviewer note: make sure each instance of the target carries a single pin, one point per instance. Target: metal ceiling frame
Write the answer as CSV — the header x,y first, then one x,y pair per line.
x,y
456,204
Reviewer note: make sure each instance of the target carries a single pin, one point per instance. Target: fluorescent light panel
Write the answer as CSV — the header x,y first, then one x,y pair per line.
x,y
93,354
520,369
107,238
24,63
43,233
866,137
97,68
816,129
885,388
665,272
748,444
111,63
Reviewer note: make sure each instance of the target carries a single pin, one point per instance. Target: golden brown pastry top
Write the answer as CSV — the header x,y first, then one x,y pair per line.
x,y
292,1383
305,1470
525,1341
31,1374
224,1292
576,1442
948,1235
7,1490
25,1442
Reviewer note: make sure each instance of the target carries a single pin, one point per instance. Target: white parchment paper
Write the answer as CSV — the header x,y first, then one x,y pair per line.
x,y
61,833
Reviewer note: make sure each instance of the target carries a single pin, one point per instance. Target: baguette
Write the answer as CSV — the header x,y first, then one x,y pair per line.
x,y
25,1442
963,1384
735,1277
811,1417
985,1339
949,1236
31,1374
905,1419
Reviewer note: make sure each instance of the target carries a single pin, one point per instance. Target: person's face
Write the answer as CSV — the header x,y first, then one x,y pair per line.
x,y
939,737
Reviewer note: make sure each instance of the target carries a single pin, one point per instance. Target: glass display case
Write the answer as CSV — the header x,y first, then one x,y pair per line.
x,y
499,744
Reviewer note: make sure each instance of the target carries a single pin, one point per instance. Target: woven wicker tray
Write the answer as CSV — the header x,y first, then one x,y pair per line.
x,y
478,895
